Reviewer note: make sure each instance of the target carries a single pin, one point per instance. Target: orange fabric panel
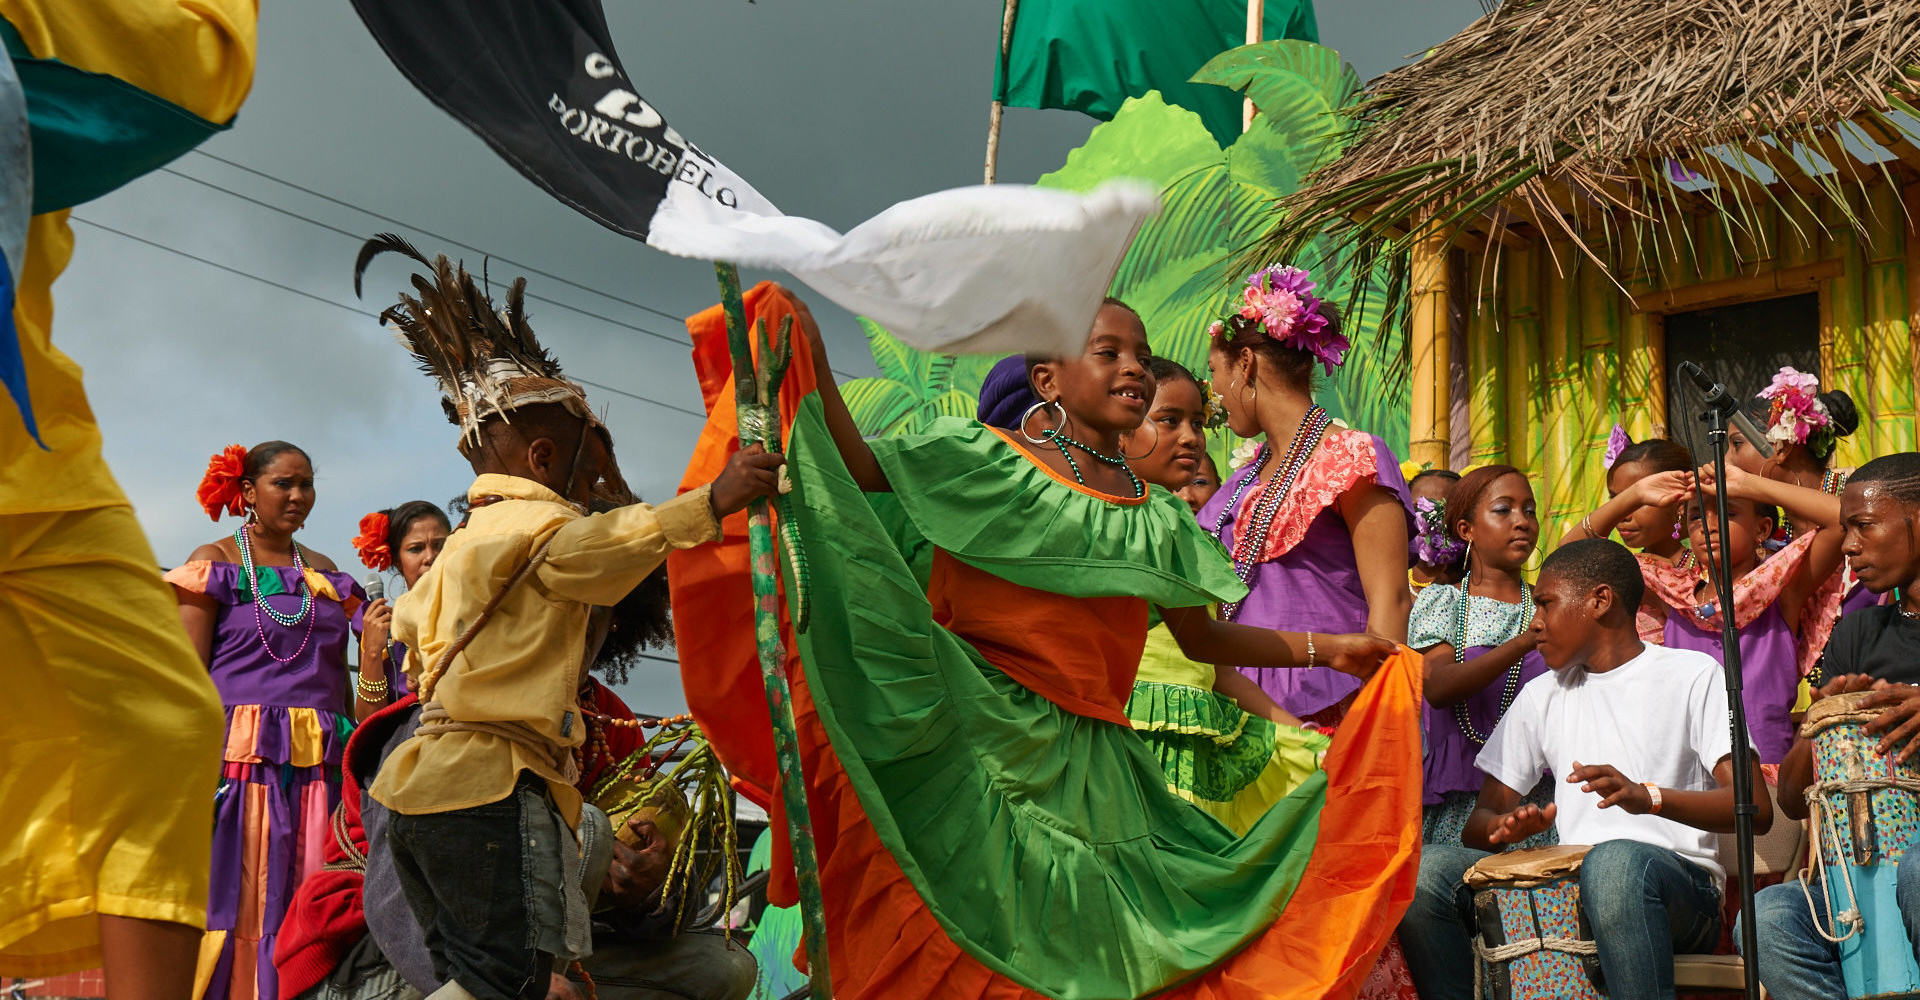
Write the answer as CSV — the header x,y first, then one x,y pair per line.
x,y
711,587
1079,653
884,943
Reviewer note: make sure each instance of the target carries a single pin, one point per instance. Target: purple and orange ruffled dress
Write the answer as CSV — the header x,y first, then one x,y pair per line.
x,y
285,692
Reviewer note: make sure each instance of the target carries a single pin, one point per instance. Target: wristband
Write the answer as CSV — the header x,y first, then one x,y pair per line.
x,y
1653,792
1312,655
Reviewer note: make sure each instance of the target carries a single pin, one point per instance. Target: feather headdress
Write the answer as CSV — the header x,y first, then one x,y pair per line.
x,y
487,361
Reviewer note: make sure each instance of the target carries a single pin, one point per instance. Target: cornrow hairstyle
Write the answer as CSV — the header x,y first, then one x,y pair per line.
x,y
1897,475
1591,562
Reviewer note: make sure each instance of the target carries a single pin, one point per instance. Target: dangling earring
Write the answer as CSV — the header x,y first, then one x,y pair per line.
x,y
1028,415
1676,527
1149,451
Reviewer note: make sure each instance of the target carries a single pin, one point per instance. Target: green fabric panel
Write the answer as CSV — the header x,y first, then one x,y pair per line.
x,y
976,496
91,132
1038,838
1091,55
266,580
1205,744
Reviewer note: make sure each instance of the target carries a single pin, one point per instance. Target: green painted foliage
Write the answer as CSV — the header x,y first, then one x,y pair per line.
x,y
1181,273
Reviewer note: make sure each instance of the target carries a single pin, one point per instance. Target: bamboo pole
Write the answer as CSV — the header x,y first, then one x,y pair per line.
x,y
1256,33
1560,365
1524,376
1910,201
1847,316
1430,329
993,116
1642,383
1487,406
1889,345
756,390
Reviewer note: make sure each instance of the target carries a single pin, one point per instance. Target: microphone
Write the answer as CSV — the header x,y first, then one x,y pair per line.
x,y
1717,396
375,586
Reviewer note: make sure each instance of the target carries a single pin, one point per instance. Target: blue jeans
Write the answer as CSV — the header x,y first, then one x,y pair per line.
x,y
1796,963
1644,904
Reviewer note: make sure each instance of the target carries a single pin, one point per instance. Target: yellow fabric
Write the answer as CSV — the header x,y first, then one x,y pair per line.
x,y
1803,698
111,746
196,53
1297,753
307,746
524,666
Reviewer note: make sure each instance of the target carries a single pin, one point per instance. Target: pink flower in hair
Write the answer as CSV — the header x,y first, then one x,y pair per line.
x,y
1280,300
1797,413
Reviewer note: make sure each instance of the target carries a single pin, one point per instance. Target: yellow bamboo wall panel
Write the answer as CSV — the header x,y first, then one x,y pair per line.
x,y
1756,236
1888,411
1487,398
1846,303
1566,392
1430,347
1910,252
1522,379
1712,249
1797,230
1643,385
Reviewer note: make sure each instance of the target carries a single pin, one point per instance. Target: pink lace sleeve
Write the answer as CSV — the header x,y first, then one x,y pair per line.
x,y
1345,459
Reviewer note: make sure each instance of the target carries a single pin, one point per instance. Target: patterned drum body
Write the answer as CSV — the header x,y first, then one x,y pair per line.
x,y
1862,835
1533,894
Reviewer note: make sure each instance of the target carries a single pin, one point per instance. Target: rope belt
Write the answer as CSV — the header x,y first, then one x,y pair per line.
x,y
356,861
434,720
1823,823
1525,946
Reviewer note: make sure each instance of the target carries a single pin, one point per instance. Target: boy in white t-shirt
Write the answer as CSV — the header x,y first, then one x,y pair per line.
x,y
1641,735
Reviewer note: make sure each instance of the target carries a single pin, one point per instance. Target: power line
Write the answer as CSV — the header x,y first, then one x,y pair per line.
x,y
341,305
530,269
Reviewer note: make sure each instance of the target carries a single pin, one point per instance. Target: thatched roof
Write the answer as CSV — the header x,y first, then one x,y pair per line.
x,y
1563,115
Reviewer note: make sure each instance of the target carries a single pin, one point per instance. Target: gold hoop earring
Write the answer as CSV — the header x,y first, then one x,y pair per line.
x,y
1149,451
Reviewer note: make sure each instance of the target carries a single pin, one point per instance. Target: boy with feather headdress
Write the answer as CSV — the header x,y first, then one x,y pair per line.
x,y
482,797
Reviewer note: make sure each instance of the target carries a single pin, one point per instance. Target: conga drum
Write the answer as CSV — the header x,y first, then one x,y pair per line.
x,y
1865,815
1531,940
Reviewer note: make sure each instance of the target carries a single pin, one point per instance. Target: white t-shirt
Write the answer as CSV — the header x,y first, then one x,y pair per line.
x,y
1659,717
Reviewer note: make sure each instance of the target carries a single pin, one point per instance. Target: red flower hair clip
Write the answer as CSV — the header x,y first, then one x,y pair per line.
x,y
220,487
371,543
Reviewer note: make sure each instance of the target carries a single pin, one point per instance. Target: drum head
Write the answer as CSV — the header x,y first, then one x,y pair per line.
x,y
1837,710
1531,866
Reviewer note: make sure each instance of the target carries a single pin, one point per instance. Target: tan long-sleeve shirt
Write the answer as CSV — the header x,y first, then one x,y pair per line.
x,y
523,667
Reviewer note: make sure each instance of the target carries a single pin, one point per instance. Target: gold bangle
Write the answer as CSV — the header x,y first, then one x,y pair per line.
x,y
1586,525
1312,656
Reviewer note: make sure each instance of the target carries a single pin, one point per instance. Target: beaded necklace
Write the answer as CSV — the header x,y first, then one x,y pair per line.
x,y
260,605
1260,520
1062,441
1511,688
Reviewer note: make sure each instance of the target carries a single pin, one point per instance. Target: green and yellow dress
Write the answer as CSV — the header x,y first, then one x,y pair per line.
x,y
1232,764
988,824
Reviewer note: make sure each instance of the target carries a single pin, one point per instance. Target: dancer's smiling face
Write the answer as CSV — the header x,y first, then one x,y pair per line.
x,y
1106,387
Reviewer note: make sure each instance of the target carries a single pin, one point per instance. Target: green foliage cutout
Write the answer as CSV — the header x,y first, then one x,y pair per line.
x,y
1182,272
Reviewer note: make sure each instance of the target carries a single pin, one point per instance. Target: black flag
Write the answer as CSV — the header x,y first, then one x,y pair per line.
x,y
539,81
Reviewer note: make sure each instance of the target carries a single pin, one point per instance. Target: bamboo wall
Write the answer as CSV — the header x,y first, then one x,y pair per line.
x,y
1557,353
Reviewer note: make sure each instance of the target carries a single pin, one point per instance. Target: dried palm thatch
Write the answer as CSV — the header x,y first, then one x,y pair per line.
x,y
1575,117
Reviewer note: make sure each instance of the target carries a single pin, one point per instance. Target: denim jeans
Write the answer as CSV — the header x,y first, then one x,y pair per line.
x,y
1643,903
693,965
464,875
1795,962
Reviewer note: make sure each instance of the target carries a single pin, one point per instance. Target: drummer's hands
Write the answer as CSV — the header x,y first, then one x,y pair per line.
x,y
559,987
1900,720
1356,654
1614,788
635,877
1522,823
1846,684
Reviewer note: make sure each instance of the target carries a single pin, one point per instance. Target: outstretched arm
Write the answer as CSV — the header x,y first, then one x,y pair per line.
x,y
1206,639
854,451
1710,810
1449,683
1818,508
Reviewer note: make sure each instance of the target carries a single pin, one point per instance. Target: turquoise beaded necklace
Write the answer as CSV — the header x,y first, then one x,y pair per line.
x,y
260,604
1511,688
1061,441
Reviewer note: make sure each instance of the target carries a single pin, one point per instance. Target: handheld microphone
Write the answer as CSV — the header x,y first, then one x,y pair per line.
x,y
375,586
1717,396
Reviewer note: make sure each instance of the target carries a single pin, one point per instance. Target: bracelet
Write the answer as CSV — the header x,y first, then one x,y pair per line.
x,y
1586,525
371,692
1653,792
1312,655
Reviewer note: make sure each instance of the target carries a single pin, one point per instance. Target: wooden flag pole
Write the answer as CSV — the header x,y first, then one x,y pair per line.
x,y
1256,33
993,116
756,389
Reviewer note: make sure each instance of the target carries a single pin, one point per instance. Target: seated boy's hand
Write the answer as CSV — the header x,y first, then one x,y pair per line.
x,y
1359,655
1522,823
1899,720
1614,788
750,474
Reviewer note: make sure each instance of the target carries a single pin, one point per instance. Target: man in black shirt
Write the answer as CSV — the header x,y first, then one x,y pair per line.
x,y
1877,649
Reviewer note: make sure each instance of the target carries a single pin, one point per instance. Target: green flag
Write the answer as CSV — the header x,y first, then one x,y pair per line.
x,y
1091,55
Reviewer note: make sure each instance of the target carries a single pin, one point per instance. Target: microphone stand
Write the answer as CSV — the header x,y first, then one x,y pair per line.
x,y
1720,405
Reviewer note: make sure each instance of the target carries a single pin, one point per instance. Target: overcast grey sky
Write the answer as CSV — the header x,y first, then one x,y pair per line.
x,y
833,109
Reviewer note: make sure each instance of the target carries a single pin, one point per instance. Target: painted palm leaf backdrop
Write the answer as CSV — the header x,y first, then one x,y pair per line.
x,y
1185,268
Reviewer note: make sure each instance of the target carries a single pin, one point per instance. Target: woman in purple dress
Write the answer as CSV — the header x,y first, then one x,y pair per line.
x,y
1318,521
272,620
